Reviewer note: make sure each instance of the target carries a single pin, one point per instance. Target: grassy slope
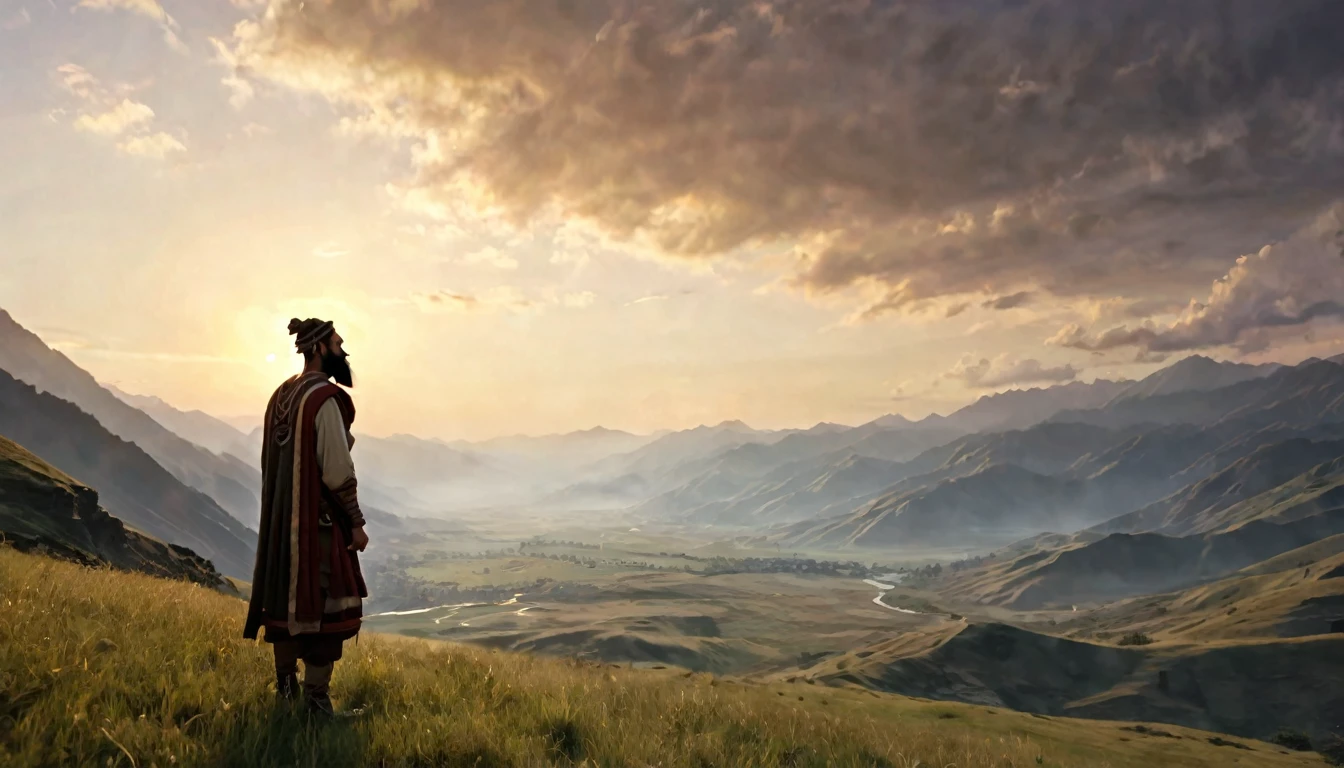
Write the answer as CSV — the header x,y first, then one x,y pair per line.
x,y
1275,598
100,668
19,468
12,453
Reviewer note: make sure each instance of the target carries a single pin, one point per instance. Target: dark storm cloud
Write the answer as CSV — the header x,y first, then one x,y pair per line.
x,y
1011,301
1285,285
920,149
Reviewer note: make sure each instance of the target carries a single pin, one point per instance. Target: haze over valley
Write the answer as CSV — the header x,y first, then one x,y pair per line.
x,y
1168,535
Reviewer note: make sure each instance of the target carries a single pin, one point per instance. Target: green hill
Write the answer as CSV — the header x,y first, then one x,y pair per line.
x,y
101,668
1248,689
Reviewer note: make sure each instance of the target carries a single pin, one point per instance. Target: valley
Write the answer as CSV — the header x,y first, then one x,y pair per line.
x,y
1167,551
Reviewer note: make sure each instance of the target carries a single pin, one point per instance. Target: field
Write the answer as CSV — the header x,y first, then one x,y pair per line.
x,y
101,668
727,623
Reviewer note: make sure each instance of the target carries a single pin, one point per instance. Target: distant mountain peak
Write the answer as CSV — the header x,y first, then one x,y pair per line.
x,y
892,421
734,425
1196,373
598,430
827,426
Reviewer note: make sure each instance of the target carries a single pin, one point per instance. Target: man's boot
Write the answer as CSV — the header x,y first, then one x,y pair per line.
x,y
286,673
286,687
316,680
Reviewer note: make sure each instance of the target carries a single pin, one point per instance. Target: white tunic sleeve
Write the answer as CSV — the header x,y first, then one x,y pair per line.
x,y
333,446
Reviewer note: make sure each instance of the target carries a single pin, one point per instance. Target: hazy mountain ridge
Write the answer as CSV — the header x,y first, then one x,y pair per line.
x,y
197,427
573,449
1118,468
1301,396
1123,565
1199,508
1196,373
791,494
1022,408
235,486
732,478
997,503
1256,509
131,484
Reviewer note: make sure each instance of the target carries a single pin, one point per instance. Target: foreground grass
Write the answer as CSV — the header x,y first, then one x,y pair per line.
x,y
102,668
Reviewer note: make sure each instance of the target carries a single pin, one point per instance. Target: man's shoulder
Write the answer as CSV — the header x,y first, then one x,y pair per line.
x,y
328,392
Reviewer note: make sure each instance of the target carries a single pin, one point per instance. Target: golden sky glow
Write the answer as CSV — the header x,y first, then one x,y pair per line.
x,y
514,238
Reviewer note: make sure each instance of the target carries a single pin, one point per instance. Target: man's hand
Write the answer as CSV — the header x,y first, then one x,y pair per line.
x,y
358,540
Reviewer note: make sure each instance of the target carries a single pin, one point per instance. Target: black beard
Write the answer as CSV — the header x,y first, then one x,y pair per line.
x,y
338,367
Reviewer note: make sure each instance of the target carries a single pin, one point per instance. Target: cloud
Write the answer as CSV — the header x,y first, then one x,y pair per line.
x,y
149,8
647,299
109,112
1011,301
256,129
445,301
77,80
1004,370
905,390
155,145
504,298
116,120
905,149
1285,284
241,91
491,256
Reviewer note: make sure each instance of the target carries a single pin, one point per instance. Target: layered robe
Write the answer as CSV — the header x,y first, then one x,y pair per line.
x,y
306,580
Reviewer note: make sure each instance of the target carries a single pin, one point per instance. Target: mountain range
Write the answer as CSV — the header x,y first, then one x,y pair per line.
x,y
232,483
131,484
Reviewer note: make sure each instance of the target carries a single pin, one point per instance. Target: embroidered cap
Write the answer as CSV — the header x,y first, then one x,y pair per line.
x,y
309,333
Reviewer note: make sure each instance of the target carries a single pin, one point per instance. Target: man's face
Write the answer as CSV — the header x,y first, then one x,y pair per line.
x,y
335,362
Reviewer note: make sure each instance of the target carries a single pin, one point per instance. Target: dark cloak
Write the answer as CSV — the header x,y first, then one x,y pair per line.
x,y
288,594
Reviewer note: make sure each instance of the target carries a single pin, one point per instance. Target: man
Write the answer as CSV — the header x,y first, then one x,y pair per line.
x,y
307,588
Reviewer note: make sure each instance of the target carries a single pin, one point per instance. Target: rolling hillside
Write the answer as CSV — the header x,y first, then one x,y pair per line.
x,y
1299,593
95,644
1123,565
1247,689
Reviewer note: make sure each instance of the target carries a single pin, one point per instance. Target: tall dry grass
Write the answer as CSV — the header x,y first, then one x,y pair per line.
x,y
100,668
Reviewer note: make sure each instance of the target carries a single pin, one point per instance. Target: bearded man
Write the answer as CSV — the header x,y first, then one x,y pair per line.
x,y
307,588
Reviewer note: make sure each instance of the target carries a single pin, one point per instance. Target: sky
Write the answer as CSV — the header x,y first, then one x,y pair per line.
x,y
534,216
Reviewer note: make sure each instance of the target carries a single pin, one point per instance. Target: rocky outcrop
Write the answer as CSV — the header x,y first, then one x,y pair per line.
x,y
46,511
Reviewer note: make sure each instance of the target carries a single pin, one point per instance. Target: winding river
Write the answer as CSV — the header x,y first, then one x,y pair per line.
x,y
887,588
453,609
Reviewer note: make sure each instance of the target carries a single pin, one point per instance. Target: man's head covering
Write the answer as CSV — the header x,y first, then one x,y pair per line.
x,y
309,333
